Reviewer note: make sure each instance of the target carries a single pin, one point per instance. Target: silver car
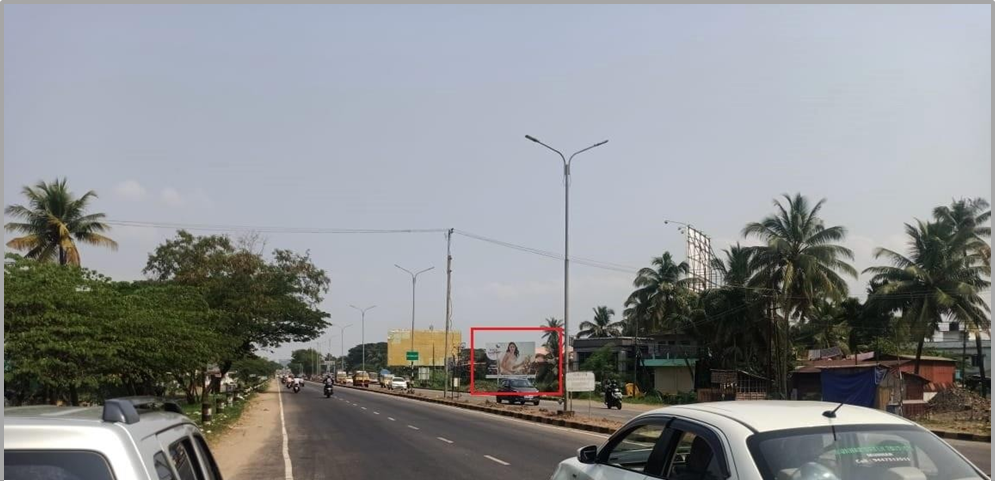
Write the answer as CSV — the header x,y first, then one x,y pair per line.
x,y
128,438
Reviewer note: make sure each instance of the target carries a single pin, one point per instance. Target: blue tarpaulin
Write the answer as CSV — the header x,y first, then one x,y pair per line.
x,y
850,386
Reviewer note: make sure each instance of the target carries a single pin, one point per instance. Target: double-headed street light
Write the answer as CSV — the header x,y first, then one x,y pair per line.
x,y
414,280
566,252
363,329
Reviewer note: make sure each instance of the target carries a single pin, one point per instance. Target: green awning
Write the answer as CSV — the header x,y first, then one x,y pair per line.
x,y
668,362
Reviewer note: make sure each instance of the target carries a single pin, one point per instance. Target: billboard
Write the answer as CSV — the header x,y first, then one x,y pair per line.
x,y
429,347
511,360
699,257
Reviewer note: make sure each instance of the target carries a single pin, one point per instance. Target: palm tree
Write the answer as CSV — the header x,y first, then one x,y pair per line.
x,y
551,337
937,279
968,217
652,305
54,221
799,263
602,325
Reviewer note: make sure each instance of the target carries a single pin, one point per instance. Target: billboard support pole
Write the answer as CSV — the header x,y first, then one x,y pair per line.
x,y
449,312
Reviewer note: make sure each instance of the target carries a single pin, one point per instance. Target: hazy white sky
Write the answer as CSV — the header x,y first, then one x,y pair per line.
x,y
414,117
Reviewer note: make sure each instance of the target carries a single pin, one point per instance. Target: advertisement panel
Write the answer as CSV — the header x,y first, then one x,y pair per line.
x,y
429,350
511,360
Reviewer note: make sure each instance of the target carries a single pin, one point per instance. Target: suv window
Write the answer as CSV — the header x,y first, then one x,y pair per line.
x,y
55,465
162,469
185,460
205,454
634,450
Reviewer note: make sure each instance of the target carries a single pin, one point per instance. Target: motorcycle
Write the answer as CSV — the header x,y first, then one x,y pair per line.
x,y
614,399
329,390
297,388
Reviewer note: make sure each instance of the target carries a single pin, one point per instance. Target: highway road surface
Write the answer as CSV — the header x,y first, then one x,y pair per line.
x,y
366,435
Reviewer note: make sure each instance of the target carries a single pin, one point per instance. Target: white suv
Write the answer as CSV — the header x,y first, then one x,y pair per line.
x,y
129,438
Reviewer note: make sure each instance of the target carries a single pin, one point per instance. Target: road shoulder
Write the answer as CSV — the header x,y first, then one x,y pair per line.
x,y
251,449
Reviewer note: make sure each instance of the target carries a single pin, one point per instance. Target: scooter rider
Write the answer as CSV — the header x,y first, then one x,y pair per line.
x,y
610,387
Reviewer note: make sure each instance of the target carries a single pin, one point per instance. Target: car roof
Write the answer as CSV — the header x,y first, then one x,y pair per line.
x,y
763,416
150,422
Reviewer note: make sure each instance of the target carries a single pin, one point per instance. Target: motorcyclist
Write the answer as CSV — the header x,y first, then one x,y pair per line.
x,y
329,380
610,387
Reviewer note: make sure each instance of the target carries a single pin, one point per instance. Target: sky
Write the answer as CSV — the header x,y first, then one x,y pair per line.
x,y
414,117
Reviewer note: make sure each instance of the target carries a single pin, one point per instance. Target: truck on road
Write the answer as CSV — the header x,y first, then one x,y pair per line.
x,y
340,377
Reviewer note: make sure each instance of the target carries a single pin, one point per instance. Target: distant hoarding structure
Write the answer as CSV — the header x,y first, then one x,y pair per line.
x,y
700,257
430,347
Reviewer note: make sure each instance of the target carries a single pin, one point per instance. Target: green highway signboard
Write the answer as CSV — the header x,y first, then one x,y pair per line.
x,y
412,355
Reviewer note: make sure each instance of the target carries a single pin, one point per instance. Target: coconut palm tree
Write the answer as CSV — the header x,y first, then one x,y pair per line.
x,y
937,279
602,325
799,263
658,289
552,338
54,221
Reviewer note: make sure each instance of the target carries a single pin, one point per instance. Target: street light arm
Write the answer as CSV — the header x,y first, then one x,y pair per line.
x,y
424,270
548,147
599,144
412,274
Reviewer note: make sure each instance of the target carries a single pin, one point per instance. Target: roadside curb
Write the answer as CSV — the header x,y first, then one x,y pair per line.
x,y
581,426
981,438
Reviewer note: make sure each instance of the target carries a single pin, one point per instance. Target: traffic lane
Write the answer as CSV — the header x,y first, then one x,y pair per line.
x,y
335,439
530,450
978,453
594,409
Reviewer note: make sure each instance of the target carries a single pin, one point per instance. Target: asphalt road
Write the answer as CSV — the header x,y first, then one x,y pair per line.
x,y
364,435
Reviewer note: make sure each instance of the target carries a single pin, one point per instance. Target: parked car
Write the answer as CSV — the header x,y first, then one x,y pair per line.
x,y
769,440
520,391
398,382
361,378
127,438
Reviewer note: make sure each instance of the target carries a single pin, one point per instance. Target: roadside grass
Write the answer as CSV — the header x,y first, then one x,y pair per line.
x,y
221,421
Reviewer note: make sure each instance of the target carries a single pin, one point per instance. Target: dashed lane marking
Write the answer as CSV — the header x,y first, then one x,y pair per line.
x,y
444,440
496,460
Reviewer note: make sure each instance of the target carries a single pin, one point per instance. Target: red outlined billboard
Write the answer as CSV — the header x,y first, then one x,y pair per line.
x,y
473,351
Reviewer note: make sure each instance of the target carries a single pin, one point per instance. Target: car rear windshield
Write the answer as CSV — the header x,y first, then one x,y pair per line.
x,y
55,465
520,383
857,452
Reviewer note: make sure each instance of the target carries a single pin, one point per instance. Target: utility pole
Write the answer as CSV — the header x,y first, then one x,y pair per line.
x,y
963,366
449,300
342,345
566,254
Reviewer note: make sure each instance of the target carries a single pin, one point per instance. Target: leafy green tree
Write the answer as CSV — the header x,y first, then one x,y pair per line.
x,y
253,369
304,361
800,263
54,221
259,303
376,357
603,363
551,339
602,326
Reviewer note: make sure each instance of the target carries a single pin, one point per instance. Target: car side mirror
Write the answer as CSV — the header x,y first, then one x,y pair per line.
x,y
587,454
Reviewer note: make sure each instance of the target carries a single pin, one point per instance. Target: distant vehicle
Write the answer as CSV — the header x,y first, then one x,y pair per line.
x,y
361,378
348,381
385,380
398,382
128,438
374,379
522,391
340,377
769,440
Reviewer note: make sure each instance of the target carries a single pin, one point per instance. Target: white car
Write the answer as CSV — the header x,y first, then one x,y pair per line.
x,y
398,383
769,440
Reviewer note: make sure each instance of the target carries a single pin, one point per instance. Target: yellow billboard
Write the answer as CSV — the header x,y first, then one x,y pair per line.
x,y
430,347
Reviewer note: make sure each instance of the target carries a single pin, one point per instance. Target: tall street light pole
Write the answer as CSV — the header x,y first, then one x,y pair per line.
x,y
342,345
414,281
363,329
566,252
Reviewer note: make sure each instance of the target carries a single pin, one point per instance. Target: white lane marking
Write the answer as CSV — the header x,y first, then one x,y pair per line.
x,y
288,470
444,440
392,419
496,460
364,408
374,412
413,427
